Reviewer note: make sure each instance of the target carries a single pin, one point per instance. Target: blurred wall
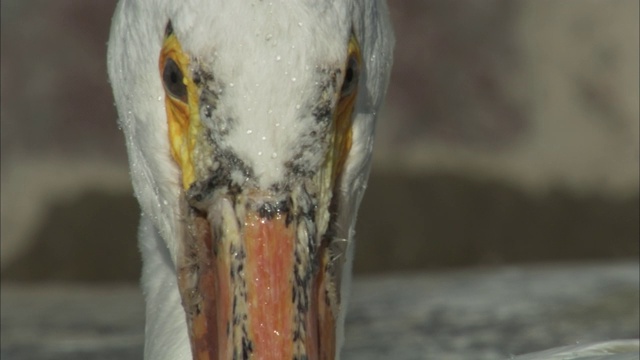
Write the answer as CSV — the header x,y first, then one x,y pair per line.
x,y
510,134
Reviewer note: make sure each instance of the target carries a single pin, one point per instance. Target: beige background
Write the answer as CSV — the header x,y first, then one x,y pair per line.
x,y
510,135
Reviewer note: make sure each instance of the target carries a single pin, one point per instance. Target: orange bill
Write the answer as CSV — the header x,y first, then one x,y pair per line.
x,y
250,287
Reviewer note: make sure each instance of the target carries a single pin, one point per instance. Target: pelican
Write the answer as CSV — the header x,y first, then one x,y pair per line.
x,y
249,127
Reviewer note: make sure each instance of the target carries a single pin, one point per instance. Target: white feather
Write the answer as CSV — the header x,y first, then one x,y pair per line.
x,y
265,55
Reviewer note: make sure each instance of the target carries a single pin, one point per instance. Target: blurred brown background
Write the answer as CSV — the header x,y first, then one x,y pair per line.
x,y
510,135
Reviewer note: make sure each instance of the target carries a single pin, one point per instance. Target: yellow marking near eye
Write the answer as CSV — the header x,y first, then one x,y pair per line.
x,y
343,120
184,121
182,118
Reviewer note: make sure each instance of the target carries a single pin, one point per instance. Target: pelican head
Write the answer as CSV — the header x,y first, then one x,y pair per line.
x,y
249,128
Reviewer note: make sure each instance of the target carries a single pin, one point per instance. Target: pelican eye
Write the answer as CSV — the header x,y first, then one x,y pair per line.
x,y
174,80
350,76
